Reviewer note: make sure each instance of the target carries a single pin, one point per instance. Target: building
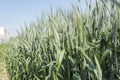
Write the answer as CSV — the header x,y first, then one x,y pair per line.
x,y
4,35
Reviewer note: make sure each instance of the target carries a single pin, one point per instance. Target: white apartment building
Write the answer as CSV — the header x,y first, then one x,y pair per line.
x,y
4,35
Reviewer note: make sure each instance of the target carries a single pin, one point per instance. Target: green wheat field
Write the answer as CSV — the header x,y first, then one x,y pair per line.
x,y
68,45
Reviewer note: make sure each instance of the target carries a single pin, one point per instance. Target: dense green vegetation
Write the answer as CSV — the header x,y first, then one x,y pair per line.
x,y
69,45
2,51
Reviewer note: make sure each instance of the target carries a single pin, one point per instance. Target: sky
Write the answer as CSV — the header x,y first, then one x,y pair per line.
x,y
15,13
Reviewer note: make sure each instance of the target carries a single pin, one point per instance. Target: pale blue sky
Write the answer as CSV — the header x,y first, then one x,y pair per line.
x,y
14,13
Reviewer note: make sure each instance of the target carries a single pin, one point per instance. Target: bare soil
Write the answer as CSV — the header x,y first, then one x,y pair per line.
x,y
3,71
